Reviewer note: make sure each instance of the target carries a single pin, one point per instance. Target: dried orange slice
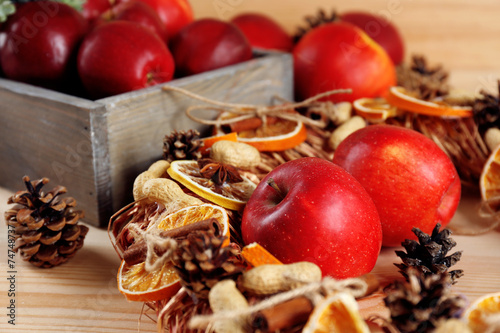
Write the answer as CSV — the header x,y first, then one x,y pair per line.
x,y
229,195
401,98
276,134
489,182
210,140
336,313
257,255
374,109
139,284
484,313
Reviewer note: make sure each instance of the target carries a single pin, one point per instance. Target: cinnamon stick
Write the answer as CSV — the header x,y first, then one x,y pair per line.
x,y
137,252
283,315
249,124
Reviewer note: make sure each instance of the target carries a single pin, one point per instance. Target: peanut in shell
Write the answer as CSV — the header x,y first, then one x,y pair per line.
x,y
238,154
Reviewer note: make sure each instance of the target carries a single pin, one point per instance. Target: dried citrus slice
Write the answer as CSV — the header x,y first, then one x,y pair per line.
x,y
374,109
336,313
489,182
229,195
257,255
484,313
401,98
139,284
276,134
210,140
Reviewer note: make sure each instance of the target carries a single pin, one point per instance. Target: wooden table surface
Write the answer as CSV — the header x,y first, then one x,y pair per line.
x,y
81,295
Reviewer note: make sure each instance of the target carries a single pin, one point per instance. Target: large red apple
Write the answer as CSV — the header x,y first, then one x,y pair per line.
x,y
208,44
380,30
263,32
121,56
317,213
340,55
41,43
411,180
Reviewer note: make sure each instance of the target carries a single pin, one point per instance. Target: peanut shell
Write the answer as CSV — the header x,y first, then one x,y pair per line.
x,y
238,154
271,279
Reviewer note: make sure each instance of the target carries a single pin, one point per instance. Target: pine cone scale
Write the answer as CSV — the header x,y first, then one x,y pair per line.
x,y
50,237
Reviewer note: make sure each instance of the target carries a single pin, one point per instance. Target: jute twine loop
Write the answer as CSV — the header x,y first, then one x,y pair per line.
x,y
356,287
247,111
154,242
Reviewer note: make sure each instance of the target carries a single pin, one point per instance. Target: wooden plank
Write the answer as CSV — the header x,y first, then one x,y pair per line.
x,y
48,134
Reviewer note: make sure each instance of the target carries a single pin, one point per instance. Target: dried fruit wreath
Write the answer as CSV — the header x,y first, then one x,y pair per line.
x,y
180,243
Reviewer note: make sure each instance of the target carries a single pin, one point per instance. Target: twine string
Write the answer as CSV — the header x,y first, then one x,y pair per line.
x,y
356,287
247,111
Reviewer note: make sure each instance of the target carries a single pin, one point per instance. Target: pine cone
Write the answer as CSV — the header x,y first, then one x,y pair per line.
x,y
201,261
487,110
425,82
423,302
315,21
182,145
429,253
46,225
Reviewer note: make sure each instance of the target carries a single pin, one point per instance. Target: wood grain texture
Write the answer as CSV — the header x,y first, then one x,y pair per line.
x,y
81,295
48,134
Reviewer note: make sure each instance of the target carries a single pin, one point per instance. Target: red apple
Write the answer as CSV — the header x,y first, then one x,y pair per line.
x,y
175,14
41,43
208,44
411,180
92,9
380,30
121,56
137,12
317,213
263,32
341,56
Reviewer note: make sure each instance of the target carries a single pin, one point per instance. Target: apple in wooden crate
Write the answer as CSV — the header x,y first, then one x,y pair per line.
x,y
41,42
175,14
122,56
314,211
134,11
411,180
263,32
207,44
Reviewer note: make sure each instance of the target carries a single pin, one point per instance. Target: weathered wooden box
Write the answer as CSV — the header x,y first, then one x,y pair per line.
x,y
97,148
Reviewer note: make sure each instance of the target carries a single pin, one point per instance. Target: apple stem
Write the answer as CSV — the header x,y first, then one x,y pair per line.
x,y
273,184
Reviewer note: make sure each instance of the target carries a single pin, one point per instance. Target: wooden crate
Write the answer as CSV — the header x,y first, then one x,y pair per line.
x,y
97,148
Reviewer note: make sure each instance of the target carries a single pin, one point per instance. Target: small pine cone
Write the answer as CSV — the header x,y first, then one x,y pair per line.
x,y
201,261
315,21
46,225
425,82
423,302
182,145
429,253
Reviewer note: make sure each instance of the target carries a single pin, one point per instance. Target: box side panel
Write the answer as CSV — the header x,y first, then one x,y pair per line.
x,y
47,134
138,122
